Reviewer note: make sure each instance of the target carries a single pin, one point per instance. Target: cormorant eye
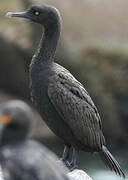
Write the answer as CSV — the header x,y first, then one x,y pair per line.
x,y
37,13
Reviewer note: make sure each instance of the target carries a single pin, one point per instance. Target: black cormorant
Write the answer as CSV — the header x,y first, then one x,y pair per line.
x,y
21,158
63,102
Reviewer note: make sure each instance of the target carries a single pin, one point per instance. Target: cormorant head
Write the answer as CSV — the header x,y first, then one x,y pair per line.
x,y
15,117
40,14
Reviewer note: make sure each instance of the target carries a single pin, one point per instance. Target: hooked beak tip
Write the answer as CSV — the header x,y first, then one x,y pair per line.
x,y
9,14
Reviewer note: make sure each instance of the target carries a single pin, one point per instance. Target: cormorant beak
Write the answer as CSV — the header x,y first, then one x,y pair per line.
x,y
17,14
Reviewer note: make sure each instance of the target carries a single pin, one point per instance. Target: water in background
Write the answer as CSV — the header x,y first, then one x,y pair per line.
x,y
95,168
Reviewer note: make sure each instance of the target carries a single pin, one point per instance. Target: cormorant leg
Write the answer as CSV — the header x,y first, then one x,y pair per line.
x,y
65,155
73,164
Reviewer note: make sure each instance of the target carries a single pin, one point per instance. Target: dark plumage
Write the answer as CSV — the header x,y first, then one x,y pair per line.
x,y
21,158
63,102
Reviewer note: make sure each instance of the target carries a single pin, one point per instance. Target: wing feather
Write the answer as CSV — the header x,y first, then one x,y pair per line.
x,y
76,108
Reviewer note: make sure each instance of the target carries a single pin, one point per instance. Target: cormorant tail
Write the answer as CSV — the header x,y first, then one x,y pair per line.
x,y
110,161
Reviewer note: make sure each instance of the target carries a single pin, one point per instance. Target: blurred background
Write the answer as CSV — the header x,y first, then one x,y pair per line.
x,y
94,47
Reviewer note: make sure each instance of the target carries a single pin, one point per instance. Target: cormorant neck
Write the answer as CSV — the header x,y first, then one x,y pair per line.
x,y
13,136
48,43
12,140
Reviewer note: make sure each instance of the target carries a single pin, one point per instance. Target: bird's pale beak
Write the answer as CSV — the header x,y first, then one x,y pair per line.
x,y
17,14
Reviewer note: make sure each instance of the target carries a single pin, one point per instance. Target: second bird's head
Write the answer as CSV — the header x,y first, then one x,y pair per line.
x,y
15,121
40,14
